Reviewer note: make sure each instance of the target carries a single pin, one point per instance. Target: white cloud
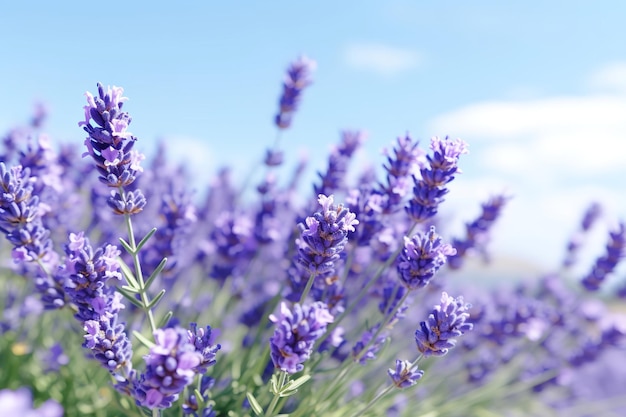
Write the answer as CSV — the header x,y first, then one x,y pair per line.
x,y
379,58
610,78
577,135
556,155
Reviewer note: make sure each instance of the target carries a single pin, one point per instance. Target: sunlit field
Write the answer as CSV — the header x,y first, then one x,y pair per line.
x,y
126,293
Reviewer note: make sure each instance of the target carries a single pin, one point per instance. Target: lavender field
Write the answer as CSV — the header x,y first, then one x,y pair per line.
x,y
125,293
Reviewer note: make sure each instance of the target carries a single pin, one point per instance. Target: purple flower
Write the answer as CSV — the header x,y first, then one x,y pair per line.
x,y
20,403
372,347
446,321
421,258
392,293
430,188
368,208
405,161
170,366
21,223
295,334
324,236
111,147
20,215
615,250
592,214
55,358
477,231
404,375
202,339
333,178
191,407
88,273
296,80
234,244
107,340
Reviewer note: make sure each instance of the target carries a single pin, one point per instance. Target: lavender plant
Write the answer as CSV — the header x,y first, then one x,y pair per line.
x,y
338,306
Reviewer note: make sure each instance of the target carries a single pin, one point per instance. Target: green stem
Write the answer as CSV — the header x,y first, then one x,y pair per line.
x,y
145,299
307,289
374,401
282,378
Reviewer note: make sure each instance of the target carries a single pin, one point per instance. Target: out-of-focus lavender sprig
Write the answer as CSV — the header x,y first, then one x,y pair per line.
x,y
192,405
477,232
332,181
234,244
20,218
111,147
430,188
297,78
366,342
13,139
406,160
21,223
592,214
20,403
615,251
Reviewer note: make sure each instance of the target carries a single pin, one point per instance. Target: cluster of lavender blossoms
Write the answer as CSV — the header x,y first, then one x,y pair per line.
x,y
111,147
296,80
328,301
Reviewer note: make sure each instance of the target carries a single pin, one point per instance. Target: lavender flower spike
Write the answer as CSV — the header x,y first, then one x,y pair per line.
x,y
296,333
202,339
421,258
404,375
111,147
404,162
430,189
615,251
170,367
296,79
447,321
324,236
477,232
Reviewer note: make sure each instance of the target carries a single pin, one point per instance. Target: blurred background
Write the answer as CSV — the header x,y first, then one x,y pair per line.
x,y
537,88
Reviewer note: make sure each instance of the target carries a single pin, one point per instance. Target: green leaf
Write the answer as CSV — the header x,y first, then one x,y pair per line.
x,y
199,399
254,404
145,239
127,247
296,383
274,385
130,297
156,299
130,290
156,272
128,274
147,343
166,318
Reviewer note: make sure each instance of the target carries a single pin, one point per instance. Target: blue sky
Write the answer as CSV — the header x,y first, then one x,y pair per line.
x,y
537,88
